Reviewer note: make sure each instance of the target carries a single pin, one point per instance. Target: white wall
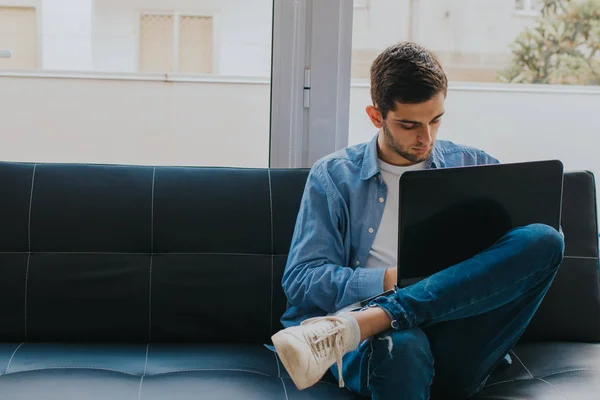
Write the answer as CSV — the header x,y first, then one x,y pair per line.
x,y
117,121
66,35
470,26
134,122
242,33
513,123
384,22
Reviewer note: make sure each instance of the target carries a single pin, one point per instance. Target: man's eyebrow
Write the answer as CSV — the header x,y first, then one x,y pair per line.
x,y
407,121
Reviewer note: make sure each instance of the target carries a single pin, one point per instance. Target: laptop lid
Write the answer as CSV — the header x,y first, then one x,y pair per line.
x,y
448,215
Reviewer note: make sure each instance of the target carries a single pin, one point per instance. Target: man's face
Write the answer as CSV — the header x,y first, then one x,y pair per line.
x,y
409,131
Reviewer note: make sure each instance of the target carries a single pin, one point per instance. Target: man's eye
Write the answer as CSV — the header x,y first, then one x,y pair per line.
x,y
408,127
435,121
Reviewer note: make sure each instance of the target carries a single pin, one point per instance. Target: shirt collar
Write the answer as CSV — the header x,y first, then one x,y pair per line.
x,y
370,166
436,160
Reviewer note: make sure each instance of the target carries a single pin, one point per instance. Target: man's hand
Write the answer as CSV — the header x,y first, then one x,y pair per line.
x,y
390,277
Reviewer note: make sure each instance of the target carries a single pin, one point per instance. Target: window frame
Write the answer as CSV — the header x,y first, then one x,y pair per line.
x,y
311,35
320,32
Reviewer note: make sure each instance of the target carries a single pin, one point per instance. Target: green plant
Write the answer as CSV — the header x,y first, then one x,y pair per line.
x,y
563,47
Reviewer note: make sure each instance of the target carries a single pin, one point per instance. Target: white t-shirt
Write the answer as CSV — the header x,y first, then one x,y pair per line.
x,y
384,251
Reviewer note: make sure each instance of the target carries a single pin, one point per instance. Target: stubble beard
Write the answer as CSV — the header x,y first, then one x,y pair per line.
x,y
402,151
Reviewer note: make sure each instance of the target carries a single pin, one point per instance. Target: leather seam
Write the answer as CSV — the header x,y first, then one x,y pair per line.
x,y
279,376
553,387
507,381
523,364
568,370
55,367
144,374
541,378
213,370
28,248
151,259
272,250
278,368
12,356
581,257
538,379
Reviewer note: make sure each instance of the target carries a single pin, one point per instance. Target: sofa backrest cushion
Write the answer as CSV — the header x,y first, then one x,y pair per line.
x,y
195,254
133,253
571,309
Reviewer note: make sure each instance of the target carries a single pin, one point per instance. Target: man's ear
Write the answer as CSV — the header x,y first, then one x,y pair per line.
x,y
375,116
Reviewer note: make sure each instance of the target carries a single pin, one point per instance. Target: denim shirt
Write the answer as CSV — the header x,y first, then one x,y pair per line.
x,y
337,223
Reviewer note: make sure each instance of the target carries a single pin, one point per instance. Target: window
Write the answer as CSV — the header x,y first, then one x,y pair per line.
x,y
18,38
150,82
486,41
195,44
470,37
516,101
156,43
176,43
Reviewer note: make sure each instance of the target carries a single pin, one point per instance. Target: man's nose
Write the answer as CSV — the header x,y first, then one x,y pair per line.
x,y
425,135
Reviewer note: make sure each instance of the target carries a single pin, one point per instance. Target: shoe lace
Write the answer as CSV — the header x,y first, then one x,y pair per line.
x,y
324,338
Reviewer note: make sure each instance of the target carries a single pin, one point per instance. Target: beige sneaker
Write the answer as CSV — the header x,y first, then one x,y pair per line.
x,y
308,350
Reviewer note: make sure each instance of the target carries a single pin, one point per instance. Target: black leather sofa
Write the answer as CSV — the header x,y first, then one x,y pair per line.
x,y
129,282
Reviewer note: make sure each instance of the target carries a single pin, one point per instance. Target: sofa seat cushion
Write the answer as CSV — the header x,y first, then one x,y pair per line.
x,y
548,371
68,371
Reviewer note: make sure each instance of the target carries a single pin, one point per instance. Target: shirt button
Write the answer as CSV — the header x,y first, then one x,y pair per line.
x,y
371,230
381,200
357,263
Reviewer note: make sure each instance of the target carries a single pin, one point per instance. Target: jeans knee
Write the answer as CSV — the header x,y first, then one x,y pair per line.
x,y
544,242
410,345
400,365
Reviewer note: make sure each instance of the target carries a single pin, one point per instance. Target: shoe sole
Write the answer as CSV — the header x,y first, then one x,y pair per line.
x,y
287,359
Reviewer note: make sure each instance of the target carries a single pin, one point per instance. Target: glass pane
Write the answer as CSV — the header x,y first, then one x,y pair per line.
x,y
175,82
527,101
525,41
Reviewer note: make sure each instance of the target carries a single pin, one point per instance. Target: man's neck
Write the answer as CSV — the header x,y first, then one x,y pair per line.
x,y
389,156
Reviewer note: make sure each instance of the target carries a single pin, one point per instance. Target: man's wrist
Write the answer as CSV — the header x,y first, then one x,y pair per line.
x,y
389,279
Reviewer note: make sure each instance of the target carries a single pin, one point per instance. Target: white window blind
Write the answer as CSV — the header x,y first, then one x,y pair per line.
x,y
18,34
156,43
176,43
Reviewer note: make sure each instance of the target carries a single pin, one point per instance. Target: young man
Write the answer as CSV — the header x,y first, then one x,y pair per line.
x,y
442,336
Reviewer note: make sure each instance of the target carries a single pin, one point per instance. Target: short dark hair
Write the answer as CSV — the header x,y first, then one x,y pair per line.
x,y
406,73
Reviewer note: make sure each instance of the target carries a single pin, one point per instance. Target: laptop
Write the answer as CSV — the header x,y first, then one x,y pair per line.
x,y
448,215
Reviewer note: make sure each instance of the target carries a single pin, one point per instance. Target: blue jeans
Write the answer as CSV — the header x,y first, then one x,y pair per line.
x,y
451,330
